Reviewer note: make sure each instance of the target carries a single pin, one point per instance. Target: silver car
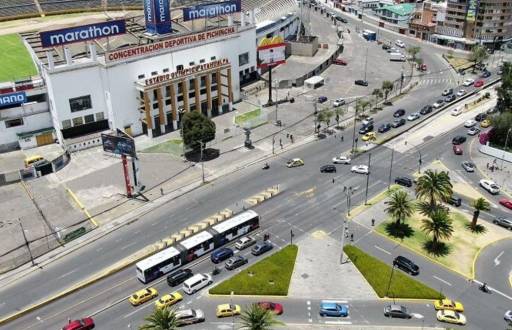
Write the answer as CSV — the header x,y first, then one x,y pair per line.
x,y
468,166
501,221
189,316
245,242
473,131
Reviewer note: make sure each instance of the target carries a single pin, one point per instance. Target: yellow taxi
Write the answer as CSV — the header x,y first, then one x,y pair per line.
x,y
448,304
451,317
228,310
295,162
370,136
485,123
168,300
142,296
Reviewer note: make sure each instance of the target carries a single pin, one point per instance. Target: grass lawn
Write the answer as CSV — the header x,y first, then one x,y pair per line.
x,y
378,273
277,268
462,247
459,62
174,147
16,62
248,117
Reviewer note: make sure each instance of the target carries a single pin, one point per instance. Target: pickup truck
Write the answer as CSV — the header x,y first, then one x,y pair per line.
x,y
398,57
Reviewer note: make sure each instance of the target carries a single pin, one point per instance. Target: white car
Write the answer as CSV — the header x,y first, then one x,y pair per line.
x,y
461,92
338,102
468,82
400,43
413,116
490,186
469,123
456,111
245,242
341,160
437,104
361,169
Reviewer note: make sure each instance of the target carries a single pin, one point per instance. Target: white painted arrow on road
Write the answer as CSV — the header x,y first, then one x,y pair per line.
x,y
497,259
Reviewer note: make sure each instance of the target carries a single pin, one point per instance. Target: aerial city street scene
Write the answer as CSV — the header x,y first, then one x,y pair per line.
x,y
255,164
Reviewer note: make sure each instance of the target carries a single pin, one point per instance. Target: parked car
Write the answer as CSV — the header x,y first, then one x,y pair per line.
x,y
275,308
451,317
338,102
456,111
437,104
261,248
481,116
221,254
400,43
490,186
457,149
455,201
328,169
486,74
506,202
367,121
341,19
235,262
398,122
87,323
189,316
361,82
386,46
384,128
331,308
473,131
468,82
501,221
447,91
468,166
361,169
370,136
469,123
399,113
403,181
322,99
406,265
142,296
339,61
459,139
479,83
179,276
413,116
295,162
485,123
426,110
450,98
461,92
245,242
396,311
341,160
365,129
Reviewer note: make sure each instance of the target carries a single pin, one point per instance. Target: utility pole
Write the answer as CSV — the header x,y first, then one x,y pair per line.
x,y
401,80
505,149
202,162
391,168
26,242
365,60
269,85
343,239
233,315
367,179
354,130
273,143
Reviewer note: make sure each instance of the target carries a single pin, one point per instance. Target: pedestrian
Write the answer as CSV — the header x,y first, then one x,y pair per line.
x,y
351,237
291,137
335,135
280,141
287,135
342,138
161,191
373,222
487,165
332,180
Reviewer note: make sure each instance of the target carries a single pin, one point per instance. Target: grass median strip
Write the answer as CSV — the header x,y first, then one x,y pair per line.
x,y
173,147
268,277
378,274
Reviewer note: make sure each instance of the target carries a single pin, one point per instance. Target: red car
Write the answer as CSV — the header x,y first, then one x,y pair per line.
x,y
83,324
339,61
273,307
506,202
478,83
457,149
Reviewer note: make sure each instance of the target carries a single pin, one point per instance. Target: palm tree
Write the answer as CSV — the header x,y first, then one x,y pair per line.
x,y
256,318
479,204
399,206
387,86
160,319
439,226
434,187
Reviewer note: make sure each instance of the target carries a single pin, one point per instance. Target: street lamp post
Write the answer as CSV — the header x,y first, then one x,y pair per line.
x,y
343,239
391,168
505,148
354,129
276,85
348,193
26,242
181,111
390,278
367,179
233,315
201,143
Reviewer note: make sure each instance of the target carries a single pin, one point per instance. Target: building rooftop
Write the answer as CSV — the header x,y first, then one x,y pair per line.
x,y
404,9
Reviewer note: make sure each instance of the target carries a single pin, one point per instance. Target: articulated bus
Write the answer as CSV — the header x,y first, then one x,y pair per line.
x,y
196,246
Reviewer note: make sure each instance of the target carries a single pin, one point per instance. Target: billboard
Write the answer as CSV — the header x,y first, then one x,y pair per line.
x,y
212,10
120,145
158,16
82,33
12,99
472,11
271,52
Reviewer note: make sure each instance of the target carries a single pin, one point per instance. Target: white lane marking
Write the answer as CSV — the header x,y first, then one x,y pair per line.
x,y
68,273
381,249
497,259
417,316
441,280
336,301
338,322
494,290
128,245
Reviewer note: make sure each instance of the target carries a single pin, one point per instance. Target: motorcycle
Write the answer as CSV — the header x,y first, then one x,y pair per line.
x,y
484,288
266,166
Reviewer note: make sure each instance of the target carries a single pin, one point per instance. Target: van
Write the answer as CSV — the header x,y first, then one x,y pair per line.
x,y
398,57
196,282
32,159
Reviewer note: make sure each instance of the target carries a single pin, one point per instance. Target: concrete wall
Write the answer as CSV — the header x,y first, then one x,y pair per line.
x,y
302,48
495,152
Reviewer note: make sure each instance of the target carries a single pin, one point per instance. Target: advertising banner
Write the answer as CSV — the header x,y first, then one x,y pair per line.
x,y
472,10
212,10
119,145
271,52
12,99
82,33
158,16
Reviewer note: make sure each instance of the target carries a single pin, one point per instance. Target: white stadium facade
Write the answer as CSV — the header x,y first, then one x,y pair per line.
x,y
141,75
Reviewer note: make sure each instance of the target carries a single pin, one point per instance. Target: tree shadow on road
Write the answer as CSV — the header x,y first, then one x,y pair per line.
x,y
401,230
208,154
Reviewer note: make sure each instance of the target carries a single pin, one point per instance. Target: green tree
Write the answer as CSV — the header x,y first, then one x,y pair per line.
x,y
504,103
361,106
325,116
197,128
377,94
432,188
478,54
387,87
439,226
399,206
413,51
160,319
256,318
500,126
339,113
479,204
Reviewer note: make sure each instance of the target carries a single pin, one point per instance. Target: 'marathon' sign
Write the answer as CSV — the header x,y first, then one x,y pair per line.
x,y
212,10
82,33
13,99
167,44
158,16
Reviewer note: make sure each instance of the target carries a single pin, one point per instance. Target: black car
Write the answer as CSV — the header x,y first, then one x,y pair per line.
x,y
450,98
236,262
328,169
448,91
455,201
396,311
322,99
398,122
459,139
261,248
399,113
386,46
384,128
481,116
406,265
426,110
486,74
366,128
341,19
361,82
179,276
403,181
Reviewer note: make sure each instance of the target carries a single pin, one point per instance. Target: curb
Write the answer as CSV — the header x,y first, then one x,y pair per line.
x,y
478,254
81,206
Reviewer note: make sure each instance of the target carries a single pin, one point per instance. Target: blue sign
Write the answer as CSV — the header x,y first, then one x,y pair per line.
x,y
12,99
82,33
212,10
158,16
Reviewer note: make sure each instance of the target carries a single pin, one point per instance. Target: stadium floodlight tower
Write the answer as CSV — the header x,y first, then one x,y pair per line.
x,y
304,20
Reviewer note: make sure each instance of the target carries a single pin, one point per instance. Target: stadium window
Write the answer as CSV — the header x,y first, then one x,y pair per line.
x,y
141,95
167,102
165,70
80,103
155,105
203,81
179,67
243,59
214,78
141,76
212,58
100,116
66,124
191,84
167,90
180,98
89,119
78,121
14,122
155,94
36,98
202,60
154,73
180,90
191,63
